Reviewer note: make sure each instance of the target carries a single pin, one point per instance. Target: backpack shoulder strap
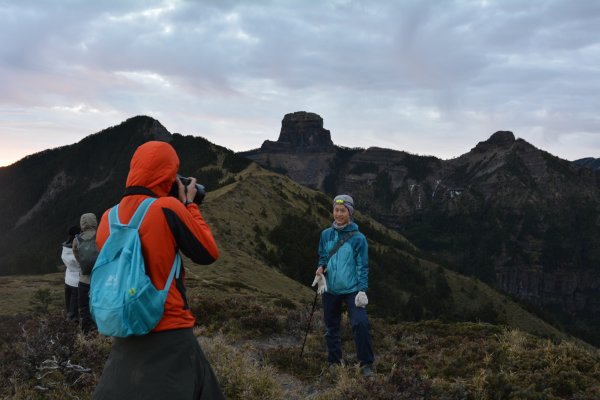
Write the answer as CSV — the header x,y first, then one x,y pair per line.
x,y
136,219
113,216
80,240
140,213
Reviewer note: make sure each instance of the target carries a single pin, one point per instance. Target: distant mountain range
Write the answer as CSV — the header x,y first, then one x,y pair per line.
x,y
518,218
266,226
588,162
515,216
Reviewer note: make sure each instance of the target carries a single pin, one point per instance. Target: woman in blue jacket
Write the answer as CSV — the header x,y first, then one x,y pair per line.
x,y
343,277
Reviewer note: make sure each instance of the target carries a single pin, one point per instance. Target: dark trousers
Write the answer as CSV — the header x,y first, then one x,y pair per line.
x,y
71,303
332,310
87,324
162,365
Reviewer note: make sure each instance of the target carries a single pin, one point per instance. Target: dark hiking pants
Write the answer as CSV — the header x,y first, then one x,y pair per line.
x,y
163,365
332,310
71,300
87,323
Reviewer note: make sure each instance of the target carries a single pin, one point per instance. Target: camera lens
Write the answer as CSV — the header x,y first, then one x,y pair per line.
x,y
200,193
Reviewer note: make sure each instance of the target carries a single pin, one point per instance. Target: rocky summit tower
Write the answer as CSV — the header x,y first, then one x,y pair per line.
x,y
301,131
304,150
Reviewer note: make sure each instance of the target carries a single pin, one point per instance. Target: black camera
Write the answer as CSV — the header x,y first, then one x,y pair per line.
x,y
200,190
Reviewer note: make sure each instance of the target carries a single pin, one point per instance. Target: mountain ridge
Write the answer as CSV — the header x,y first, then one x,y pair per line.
x,y
253,262
499,212
506,212
415,287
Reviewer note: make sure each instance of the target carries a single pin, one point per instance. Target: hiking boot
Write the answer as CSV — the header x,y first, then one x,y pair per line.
x,y
367,371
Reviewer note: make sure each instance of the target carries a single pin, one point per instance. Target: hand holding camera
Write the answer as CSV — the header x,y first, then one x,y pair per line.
x,y
187,190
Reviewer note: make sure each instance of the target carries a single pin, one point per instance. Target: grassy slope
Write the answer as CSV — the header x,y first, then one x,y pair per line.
x,y
235,211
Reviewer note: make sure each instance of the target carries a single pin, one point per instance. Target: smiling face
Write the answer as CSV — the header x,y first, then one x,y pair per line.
x,y
341,215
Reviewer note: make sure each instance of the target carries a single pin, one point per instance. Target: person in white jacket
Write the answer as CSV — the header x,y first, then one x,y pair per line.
x,y
71,276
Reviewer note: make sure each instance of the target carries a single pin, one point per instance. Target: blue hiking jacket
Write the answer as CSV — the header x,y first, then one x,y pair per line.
x,y
348,268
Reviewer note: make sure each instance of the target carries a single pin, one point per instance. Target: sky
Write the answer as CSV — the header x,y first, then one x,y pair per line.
x,y
426,77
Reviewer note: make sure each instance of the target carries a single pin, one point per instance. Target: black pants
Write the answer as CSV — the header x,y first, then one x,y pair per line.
x,y
163,365
332,310
71,300
87,324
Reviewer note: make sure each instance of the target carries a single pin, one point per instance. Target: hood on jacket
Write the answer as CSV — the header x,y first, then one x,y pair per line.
x,y
154,165
88,222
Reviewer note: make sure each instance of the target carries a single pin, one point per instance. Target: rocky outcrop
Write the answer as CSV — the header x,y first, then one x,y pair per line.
x,y
500,139
304,150
301,132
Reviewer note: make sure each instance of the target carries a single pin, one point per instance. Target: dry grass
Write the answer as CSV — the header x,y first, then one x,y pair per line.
x,y
254,347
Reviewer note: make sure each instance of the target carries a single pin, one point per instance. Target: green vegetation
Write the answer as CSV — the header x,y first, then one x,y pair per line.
x,y
295,241
338,164
381,235
235,163
40,302
382,189
47,192
517,169
419,167
473,239
572,237
364,168
468,240
561,166
194,153
279,170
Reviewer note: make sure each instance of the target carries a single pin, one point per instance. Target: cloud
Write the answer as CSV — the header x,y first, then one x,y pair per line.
x,y
428,77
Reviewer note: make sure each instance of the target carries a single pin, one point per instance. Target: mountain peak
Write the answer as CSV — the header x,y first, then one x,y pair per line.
x,y
302,131
148,126
500,139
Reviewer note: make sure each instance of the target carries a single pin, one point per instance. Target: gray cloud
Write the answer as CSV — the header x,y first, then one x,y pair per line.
x,y
430,77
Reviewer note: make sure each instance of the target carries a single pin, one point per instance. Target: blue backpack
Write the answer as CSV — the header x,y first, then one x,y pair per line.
x,y
123,300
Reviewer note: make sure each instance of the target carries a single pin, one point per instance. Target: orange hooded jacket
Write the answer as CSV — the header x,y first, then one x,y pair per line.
x,y
168,226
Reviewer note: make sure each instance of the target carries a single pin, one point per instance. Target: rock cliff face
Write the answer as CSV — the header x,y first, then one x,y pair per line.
x,y
301,132
511,214
304,130
564,289
304,150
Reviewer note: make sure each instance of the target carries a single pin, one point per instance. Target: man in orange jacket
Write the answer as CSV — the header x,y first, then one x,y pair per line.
x,y
168,362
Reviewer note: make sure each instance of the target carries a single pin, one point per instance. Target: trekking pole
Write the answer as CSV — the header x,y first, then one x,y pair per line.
x,y
309,320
